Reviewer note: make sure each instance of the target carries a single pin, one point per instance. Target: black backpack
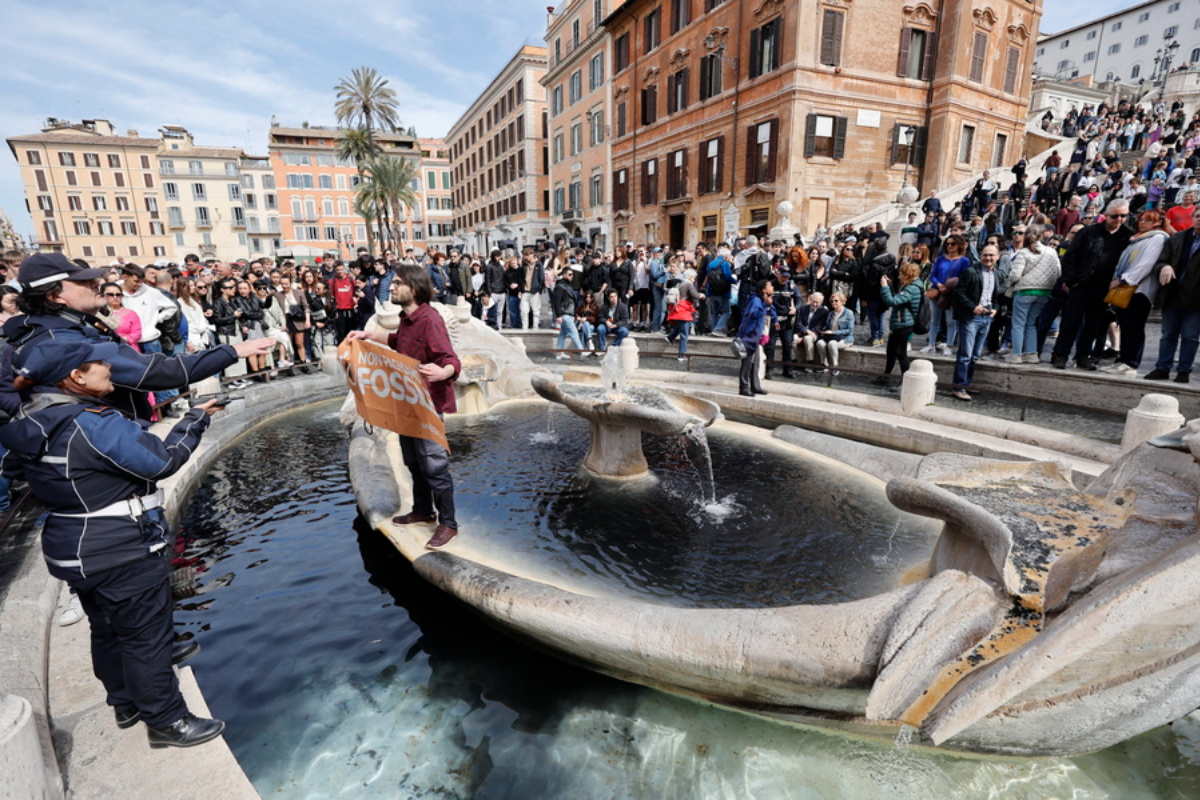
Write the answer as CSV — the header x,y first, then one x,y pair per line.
x,y
923,316
717,285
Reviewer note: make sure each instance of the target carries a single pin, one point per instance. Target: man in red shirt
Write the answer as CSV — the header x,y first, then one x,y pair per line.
x,y
1180,216
422,335
341,289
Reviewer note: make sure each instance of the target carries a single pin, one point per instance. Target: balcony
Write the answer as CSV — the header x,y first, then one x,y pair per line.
x,y
305,218
175,222
570,215
204,222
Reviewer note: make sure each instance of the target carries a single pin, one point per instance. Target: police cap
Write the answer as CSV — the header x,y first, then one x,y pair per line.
x,y
53,359
43,268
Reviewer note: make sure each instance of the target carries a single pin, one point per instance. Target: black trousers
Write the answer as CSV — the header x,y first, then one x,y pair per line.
x,y
130,612
787,335
1085,316
897,350
343,322
1133,329
433,486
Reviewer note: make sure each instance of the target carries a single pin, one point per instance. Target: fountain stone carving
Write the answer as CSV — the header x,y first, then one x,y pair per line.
x,y
619,414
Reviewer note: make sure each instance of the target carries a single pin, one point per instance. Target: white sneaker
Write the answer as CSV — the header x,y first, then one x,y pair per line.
x,y
944,349
72,613
285,364
563,356
1033,358
927,349
1121,368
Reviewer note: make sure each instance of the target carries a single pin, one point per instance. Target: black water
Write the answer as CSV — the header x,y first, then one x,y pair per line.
x,y
342,674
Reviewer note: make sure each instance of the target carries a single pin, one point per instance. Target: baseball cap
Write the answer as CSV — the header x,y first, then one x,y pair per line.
x,y
53,359
43,268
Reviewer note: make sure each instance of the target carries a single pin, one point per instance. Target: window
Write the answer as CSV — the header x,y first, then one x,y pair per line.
x,y
129,228
96,179
764,47
711,165
650,104
235,192
556,101
326,207
174,216
1012,68
1088,56
677,89
1136,71
681,14
900,150
832,23
83,227
297,160
710,76
576,138
576,86
325,181
966,144
145,162
99,202
760,152
596,72
1041,51
40,177
46,203
1141,41
621,119
650,182
91,159
232,169
202,217
677,176
199,192
157,229
560,201
195,167
122,203
104,228
1145,15
51,230
74,202
621,53
1064,44
66,159
171,191
825,136
596,192
270,202
1171,32
1172,8
596,128
575,196
268,181
1113,49
1195,55
1091,35
1064,64
148,180
558,147
1000,153
33,157
166,167
916,54
651,30
250,201
978,54
299,181
1116,26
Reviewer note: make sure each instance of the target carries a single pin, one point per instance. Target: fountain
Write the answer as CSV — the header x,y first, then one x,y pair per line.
x,y
1048,619
619,414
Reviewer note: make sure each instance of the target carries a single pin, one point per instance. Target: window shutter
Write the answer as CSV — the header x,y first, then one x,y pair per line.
x,y
1010,71
705,81
918,158
702,182
645,199
671,108
831,38
755,52
896,143
839,141
977,57
772,157
905,41
720,164
777,55
682,189
683,78
928,62
810,136
751,178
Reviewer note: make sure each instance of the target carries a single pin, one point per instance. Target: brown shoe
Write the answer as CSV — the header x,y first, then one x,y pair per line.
x,y
412,518
441,537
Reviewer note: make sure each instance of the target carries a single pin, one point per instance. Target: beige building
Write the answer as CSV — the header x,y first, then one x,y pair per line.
x,y
437,194
579,99
723,110
92,193
260,203
499,161
202,191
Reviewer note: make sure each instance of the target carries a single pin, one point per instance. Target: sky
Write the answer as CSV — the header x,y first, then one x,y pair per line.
x,y
223,69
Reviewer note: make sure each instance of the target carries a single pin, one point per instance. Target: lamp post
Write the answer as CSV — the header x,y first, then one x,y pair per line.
x,y
907,194
1168,56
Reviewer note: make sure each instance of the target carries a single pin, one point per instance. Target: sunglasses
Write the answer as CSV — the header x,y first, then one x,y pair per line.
x,y
112,294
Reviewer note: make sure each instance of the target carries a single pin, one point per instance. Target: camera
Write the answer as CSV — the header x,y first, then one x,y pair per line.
x,y
222,399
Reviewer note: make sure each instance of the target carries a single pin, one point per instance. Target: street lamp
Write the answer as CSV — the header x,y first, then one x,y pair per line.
x,y
1168,57
907,195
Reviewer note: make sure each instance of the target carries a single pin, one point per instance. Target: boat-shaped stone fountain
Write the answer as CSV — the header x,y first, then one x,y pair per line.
x,y
1042,619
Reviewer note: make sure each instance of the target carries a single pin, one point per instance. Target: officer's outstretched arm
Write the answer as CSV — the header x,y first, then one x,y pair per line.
x,y
153,372
131,448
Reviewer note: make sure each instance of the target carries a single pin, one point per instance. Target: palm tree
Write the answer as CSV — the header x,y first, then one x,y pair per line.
x,y
391,182
364,99
359,146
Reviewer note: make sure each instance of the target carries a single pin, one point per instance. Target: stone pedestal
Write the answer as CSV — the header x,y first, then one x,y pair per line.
x,y
918,387
629,355
21,751
1156,415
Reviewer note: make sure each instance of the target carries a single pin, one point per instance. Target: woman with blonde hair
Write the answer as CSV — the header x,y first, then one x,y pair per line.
x,y
1137,271
905,303
1035,270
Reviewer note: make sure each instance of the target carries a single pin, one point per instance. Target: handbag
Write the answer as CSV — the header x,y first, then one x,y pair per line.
x,y
295,312
738,347
1121,295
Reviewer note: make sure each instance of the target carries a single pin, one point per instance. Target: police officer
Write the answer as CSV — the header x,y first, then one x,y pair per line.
x,y
105,534
786,305
60,298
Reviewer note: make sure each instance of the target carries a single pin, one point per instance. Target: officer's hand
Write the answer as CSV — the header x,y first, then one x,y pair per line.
x,y
210,407
254,347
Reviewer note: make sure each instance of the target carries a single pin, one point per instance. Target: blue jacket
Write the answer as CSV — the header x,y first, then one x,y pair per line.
x,y
845,328
80,456
133,373
658,273
751,329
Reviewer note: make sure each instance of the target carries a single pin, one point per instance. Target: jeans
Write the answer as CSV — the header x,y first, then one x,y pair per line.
x,y
718,311
683,329
602,332
1178,323
935,325
972,336
493,315
1026,310
658,308
162,395
514,311
567,328
875,313
432,485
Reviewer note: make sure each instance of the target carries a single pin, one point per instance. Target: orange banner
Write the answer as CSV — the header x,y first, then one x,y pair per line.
x,y
389,391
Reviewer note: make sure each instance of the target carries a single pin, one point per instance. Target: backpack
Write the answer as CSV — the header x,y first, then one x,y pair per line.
x,y
673,295
717,284
923,316
761,270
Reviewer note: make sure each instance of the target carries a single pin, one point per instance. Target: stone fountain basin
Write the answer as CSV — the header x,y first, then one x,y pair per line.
x,y
658,412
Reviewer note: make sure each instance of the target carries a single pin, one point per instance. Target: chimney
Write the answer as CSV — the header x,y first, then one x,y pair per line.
x,y
131,133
